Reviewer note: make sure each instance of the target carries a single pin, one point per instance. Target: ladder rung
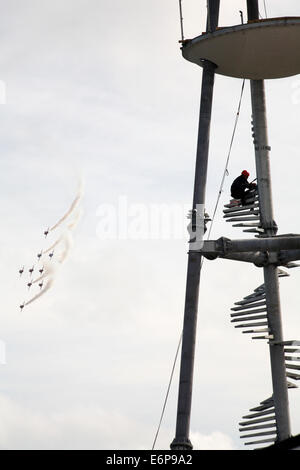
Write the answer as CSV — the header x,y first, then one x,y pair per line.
x,y
257,310
293,376
243,219
263,337
251,324
256,299
240,214
290,385
257,434
256,317
263,406
260,426
258,442
239,208
292,358
292,366
251,305
263,330
260,413
288,343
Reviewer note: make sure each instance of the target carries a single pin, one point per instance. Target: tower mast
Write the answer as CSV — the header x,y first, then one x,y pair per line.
x,y
181,440
262,149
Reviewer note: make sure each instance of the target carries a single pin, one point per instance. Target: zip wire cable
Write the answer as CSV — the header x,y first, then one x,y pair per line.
x,y
168,390
228,157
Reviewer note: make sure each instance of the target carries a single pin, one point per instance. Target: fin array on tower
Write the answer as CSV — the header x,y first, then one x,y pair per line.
x,y
261,423
250,313
247,215
292,358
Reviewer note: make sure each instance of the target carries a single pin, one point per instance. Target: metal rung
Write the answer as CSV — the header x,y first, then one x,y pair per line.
x,y
258,310
243,314
289,350
258,442
252,230
267,400
259,426
282,273
262,286
253,297
263,330
251,305
258,292
260,420
240,208
263,337
290,385
257,434
243,219
263,407
247,224
240,214
292,265
292,358
260,413
255,317
251,324
232,205
292,366
293,376
247,312
288,343
245,302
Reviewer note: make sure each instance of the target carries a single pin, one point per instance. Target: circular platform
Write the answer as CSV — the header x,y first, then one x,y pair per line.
x,y
262,49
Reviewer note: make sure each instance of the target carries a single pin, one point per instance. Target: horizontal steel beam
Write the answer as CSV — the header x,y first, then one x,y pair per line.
x,y
261,252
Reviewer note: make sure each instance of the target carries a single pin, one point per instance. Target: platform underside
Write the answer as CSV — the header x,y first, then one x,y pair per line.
x,y
257,50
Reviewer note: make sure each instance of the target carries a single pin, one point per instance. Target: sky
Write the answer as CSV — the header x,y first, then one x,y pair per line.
x,y
98,92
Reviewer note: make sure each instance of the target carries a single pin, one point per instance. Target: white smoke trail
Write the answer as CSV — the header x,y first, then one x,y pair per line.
x,y
72,207
54,245
49,269
42,292
68,242
76,220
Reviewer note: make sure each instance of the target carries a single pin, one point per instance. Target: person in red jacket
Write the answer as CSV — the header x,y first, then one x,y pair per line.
x,y
241,188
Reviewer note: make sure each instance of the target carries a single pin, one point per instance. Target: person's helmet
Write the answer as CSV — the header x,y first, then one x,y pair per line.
x,y
245,173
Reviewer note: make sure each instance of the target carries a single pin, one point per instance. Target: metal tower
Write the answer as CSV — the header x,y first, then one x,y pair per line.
x,y
256,50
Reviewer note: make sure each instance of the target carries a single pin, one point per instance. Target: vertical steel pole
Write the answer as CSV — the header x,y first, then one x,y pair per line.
x,y
181,440
280,389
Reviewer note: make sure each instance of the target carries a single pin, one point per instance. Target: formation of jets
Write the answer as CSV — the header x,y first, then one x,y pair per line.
x,y
31,270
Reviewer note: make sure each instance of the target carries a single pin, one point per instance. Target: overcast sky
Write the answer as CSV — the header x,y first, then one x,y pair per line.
x,y
99,91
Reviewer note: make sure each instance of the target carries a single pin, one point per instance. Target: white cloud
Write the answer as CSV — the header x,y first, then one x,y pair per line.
x,y
22,427
215,441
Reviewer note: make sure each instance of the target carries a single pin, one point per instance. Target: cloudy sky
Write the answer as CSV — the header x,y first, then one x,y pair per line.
x,y
98,91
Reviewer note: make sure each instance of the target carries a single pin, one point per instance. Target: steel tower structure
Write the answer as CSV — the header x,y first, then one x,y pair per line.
x,y
256,50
